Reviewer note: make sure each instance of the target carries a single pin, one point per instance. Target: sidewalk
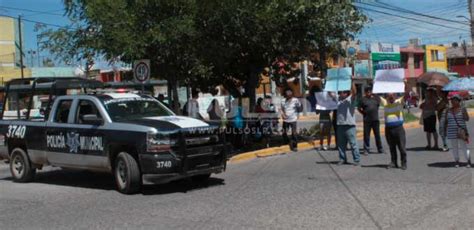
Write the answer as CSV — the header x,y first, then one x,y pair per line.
x,y
308,145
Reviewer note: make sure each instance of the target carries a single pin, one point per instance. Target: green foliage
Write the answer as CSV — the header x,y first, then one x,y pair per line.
x,y
409,117
204,43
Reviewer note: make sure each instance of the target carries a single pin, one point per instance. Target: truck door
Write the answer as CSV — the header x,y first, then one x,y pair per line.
x,y
88,136
57,151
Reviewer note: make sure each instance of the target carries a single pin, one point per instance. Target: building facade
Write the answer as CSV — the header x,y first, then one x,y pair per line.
x,y
9,50
461,60
435,58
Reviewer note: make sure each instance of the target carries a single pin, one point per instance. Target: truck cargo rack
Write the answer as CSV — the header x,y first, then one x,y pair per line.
x,y
55,85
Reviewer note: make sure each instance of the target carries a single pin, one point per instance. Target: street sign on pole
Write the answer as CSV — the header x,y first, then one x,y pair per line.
x,y
141,70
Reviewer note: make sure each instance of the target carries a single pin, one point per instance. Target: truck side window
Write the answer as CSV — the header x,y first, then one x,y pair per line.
x,y
86,107
62,112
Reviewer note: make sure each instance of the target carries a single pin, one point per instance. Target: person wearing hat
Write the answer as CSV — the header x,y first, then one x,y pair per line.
x,y
369,108
455,119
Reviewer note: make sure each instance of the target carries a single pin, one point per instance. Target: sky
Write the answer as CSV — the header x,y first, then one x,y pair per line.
x,y
382,28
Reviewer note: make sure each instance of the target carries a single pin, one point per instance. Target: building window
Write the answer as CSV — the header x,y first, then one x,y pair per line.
x,y
437,55
417,61
405,61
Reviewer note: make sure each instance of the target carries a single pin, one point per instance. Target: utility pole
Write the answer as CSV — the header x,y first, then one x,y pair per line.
x,y
470,5
20,46
466,58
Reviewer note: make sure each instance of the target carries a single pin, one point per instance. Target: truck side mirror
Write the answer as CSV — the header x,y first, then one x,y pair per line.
x,y
92,119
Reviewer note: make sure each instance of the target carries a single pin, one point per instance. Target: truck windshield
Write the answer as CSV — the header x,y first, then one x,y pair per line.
x,y
135,108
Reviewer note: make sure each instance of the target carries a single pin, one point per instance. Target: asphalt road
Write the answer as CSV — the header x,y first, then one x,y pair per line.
x,y
303,190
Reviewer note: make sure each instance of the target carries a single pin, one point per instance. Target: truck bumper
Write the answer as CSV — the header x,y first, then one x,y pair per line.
x,y
165,178
165,167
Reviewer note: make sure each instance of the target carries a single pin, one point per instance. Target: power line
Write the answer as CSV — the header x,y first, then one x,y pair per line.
x,y
414,19
31,11
47,24
403,10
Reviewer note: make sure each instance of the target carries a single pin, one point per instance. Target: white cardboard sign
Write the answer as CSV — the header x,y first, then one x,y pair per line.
x,y
325,102
389,81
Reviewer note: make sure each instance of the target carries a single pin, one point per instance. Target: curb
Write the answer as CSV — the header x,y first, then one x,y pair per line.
x,y
273,151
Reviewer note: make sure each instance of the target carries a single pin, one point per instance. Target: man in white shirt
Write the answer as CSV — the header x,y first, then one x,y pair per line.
x,y
192,107
289,112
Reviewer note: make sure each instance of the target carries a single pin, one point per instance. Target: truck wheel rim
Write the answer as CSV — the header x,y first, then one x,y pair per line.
x,y
18,166
121,174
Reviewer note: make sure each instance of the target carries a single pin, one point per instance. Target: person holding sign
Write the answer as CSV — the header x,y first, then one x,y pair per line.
x,y
394,130
326,102
346,126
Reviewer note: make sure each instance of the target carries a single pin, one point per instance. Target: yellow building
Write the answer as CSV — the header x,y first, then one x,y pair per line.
x,y
435,59
9,53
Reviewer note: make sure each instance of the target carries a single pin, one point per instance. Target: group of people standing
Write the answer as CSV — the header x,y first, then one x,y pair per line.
x,y
435,108
452,123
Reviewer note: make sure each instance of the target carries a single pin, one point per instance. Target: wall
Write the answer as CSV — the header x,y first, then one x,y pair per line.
x,y
8,51
435,65
7,42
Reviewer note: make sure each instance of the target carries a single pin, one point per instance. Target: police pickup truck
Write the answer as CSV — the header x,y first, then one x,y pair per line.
x,y
134,137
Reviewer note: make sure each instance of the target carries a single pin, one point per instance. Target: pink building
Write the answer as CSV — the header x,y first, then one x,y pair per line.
x,y
412,61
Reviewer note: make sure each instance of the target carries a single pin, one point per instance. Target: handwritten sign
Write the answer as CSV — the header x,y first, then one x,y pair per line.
x,y
325,102
338,79
389,81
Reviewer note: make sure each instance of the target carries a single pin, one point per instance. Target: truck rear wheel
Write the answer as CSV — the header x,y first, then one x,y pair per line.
x,y
127,174
20,166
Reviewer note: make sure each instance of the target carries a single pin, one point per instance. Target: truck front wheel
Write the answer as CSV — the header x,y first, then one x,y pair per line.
x,y
20,166
127,174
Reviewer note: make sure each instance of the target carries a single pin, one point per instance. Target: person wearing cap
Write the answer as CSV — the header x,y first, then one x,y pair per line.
x,y
369,108
428,114
455,119
289,112
346,126
394,130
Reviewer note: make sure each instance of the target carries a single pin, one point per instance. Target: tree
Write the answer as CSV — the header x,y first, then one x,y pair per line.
x,y
246,36
127,30
206,43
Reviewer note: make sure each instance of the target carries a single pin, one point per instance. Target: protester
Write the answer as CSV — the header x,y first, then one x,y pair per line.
x,y
215,112
289,112
442,105
191,108
334,126
428,108
394,130
456,129
325,123
346,126
259,106
161,98
369,108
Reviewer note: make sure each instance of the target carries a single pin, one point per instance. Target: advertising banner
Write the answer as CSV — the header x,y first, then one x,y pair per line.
x,y
361,69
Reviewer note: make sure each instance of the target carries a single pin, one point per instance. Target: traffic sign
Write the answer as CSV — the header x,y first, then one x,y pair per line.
x,y
141,70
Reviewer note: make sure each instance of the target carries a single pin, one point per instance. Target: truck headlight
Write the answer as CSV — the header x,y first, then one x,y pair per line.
x,y
159,143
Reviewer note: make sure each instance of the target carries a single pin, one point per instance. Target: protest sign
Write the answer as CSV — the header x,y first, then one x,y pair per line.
x,y
338,79
389,81
325,102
